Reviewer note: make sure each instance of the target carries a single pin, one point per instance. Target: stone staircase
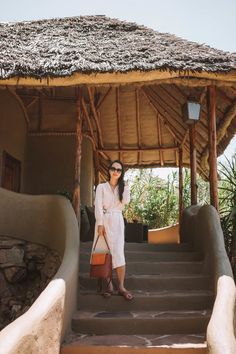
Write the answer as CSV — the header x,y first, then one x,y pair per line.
x,y
169,313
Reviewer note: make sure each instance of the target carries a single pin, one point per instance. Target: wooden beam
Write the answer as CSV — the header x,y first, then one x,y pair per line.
x,y
193,164
40,112
95,115
102,99
226,121
52,133
212,146
221,131
34,100
134,76
163,118
76,193
160,139
185,137
173,117
118,120
168,103
90,138
88,120
138,126
176,158
181,206
153,149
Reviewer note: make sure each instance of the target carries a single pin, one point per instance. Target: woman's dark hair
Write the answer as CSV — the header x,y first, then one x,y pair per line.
x,y
121,182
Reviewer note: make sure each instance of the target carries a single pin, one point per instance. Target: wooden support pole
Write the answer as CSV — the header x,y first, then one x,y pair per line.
x,y
159,134
119,130
95,115
181,206
193,164
211,103
40,112
138,126
76,194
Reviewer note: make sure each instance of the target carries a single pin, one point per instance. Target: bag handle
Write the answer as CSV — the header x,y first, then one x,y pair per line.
x,y
97,242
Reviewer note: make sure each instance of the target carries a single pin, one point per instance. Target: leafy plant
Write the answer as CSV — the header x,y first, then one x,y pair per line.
x,y
154,201
227,201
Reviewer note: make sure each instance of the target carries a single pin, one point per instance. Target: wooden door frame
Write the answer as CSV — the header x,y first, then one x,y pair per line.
x,y
6,156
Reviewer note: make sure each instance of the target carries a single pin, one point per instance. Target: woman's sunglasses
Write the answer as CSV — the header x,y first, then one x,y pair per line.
x,y
113,169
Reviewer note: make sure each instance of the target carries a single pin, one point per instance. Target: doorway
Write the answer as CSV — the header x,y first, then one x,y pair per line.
x,y
11,172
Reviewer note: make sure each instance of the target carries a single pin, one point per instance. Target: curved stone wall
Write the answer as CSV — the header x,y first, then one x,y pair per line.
x,y
49,220
201,227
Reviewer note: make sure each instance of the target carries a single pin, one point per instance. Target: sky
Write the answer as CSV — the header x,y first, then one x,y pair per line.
x,y
204,21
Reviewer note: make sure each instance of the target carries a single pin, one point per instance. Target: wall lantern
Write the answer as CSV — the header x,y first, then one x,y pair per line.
x,y
191,111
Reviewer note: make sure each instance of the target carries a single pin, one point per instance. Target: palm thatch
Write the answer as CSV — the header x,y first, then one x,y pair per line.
x,y
139,121
97,44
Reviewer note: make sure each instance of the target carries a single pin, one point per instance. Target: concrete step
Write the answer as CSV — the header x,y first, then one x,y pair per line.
x,y
156,267
147,301
139,256
146,247
138,344
155,282
142,322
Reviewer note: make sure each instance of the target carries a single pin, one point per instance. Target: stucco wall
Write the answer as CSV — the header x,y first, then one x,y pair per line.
x,y
50,164
201,226
50,221
13,129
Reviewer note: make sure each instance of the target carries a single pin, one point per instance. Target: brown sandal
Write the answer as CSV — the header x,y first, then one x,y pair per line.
x,y
107,293
109,289
126,295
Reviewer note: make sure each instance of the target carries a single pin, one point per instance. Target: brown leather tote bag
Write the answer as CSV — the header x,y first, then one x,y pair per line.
x,y
101,263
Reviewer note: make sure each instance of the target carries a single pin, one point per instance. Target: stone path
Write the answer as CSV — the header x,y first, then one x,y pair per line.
x,y
172,305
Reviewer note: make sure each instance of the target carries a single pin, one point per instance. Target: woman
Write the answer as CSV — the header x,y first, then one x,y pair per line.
x,y
109,202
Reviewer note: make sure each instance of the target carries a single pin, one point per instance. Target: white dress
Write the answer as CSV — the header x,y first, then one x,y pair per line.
x,y
108,212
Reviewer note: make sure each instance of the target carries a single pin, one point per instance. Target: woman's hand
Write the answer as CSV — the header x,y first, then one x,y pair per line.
x,y
101,230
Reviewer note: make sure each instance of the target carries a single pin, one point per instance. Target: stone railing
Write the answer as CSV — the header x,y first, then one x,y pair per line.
x,y
201,227
50,221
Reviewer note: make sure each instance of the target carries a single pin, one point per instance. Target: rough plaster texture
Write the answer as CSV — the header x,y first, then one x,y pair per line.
x,y
49,220
39,329
50,164
201,226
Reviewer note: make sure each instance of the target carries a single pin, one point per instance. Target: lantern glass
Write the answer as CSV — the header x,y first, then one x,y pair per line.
x,y
191,112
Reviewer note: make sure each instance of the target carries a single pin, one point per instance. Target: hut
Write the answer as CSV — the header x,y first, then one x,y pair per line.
x,y
78,92
127,83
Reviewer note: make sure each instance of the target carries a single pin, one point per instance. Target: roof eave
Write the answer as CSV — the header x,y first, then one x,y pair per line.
x,y
131,77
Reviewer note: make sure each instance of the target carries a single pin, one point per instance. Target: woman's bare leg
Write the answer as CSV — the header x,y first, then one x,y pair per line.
x,y
120,271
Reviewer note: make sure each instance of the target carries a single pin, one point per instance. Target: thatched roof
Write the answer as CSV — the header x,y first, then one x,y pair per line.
x,y
97,44
134,82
